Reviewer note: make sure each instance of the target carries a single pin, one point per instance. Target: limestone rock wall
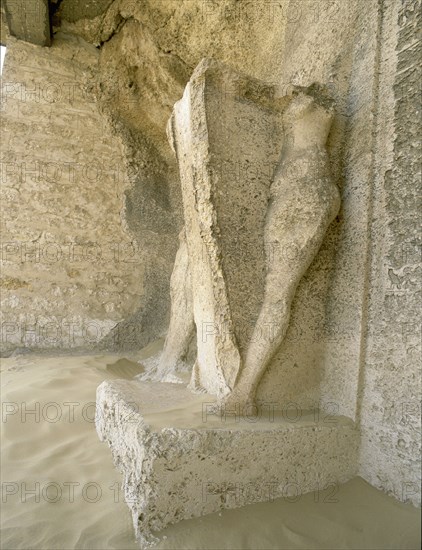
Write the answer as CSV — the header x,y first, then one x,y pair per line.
x,y
357,313
71,271
390,385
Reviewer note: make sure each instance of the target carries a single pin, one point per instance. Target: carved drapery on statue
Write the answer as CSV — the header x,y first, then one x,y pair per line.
x,y
258,199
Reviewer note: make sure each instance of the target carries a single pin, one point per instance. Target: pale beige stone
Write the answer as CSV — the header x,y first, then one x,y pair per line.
x,y
218,134
179,462
234,224
352,345
303,202
181,330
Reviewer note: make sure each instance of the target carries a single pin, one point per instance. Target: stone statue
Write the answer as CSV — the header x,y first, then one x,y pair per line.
x,y
304,201
230,271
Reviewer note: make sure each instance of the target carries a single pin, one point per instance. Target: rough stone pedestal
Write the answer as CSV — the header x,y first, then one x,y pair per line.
x,y
179,461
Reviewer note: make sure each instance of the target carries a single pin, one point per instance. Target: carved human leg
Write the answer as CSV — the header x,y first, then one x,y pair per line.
x,y
182,327
304,201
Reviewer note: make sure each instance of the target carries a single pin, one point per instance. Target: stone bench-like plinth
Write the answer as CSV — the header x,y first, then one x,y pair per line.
x,y
179,461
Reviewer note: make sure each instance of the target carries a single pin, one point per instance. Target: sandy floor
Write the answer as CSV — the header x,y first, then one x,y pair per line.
x,y
61,491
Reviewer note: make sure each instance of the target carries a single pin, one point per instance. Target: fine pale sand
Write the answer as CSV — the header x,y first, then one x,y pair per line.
x,y
61,491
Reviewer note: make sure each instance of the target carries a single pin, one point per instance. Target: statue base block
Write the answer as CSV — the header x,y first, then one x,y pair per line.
x,y
179,461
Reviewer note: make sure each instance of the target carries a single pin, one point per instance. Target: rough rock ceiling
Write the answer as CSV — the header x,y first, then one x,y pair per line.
x,y
28,21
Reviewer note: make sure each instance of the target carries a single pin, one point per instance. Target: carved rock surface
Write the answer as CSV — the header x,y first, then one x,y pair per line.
x,y
304,201
179,462
226,132
255,181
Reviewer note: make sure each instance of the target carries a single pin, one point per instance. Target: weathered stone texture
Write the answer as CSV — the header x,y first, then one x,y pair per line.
x,y
4,29
366,271
391,378
178,462
225,124
70,270
29,20
322,346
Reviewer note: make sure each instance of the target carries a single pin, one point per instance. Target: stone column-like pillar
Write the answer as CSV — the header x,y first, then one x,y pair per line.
x,y
226,132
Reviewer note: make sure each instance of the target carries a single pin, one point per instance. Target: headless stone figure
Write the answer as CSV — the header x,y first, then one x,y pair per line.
x,y
303,203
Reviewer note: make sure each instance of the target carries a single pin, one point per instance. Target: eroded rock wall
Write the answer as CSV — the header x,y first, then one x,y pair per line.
x,y
71,271
390,385
147,53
